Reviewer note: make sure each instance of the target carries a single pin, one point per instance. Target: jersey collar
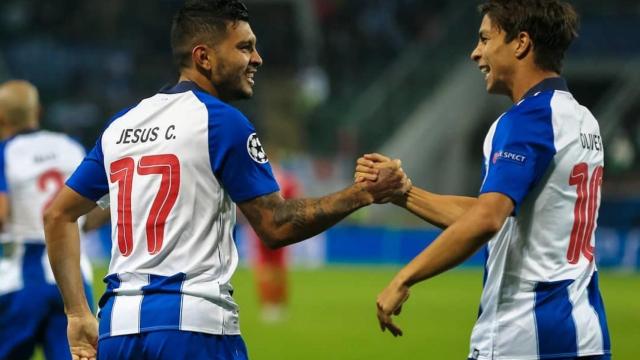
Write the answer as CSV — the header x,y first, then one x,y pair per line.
x,y
550,84
182,86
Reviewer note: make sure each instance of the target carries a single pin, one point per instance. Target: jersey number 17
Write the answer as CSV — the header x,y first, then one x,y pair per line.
x,y
122,172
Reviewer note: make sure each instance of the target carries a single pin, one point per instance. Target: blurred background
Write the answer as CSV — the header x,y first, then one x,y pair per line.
x,y
341,78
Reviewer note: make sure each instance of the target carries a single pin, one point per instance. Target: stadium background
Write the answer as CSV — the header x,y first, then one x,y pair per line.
x,y
341,78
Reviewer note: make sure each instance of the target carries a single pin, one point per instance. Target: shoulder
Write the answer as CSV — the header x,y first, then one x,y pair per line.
x,y
3,146
120,114
219,110
536,107
532,114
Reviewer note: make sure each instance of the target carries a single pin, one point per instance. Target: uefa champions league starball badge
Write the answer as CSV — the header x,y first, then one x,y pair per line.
x,y
255,150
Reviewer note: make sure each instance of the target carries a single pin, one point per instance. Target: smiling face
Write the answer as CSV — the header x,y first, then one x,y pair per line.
x,y
495,58
235,60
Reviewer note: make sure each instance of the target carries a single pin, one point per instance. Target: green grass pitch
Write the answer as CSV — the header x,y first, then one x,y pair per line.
x,y
332,315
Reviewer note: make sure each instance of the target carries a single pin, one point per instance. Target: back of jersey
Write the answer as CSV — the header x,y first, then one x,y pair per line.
x,y
173,166
35,166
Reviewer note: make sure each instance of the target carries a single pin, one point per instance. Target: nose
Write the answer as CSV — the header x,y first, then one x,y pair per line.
x,y
475,54
256,59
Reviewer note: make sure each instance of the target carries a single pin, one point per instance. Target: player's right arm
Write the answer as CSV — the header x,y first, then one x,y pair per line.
x,y
63,247
439,210
279,222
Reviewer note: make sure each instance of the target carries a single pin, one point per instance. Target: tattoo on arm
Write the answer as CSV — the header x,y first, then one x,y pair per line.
x,y
294,220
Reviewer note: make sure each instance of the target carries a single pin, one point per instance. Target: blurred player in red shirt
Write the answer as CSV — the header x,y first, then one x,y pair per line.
x,y
271,265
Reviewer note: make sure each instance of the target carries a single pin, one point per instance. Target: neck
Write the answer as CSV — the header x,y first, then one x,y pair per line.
x,y
14,130
527,80
200,80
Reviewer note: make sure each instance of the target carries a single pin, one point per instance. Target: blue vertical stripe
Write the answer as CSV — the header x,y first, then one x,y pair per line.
x,y
596,302
106,304
3,176
555,327
32,270
162,302
485,273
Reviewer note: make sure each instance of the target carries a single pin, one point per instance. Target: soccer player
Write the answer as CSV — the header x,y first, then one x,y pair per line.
x,y
537,208
33,167
174,167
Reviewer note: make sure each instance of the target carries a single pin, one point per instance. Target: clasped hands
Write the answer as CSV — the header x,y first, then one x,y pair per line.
x,y
382,176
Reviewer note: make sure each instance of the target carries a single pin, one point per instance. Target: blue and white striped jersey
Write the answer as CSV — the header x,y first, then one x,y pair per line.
x,y
173,166
541,297
34,165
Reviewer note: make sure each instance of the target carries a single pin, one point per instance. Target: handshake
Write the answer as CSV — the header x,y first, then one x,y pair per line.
x,y
382,177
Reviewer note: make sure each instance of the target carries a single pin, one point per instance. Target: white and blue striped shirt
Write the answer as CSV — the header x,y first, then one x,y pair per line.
x,y
541,298
33,166
173,167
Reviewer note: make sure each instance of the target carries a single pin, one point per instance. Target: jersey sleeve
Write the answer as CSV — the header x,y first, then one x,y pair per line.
x,y
90,179
237,157
522,149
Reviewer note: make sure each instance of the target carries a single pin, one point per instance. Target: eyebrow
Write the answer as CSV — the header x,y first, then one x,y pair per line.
x,y
251,41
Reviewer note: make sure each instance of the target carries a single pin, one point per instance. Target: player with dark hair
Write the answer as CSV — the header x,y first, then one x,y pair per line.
x,y
174,167
537,209
34,164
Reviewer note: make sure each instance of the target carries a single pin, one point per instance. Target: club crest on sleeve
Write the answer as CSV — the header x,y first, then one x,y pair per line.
x,y
255,150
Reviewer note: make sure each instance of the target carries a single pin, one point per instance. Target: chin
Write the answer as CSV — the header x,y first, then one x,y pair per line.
x,y
245,94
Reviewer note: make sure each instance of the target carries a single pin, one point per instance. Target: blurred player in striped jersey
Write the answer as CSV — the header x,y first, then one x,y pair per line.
x,y
174,167
33,167
538,203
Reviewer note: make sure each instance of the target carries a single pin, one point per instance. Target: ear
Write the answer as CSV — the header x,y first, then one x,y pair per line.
x,y
201,57
524,45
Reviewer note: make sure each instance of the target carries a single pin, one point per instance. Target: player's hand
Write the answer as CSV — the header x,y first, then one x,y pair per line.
x,y
389,303
82,331
367,167
390,180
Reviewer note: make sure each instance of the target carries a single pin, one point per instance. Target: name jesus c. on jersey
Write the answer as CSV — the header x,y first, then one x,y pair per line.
x,y
172,197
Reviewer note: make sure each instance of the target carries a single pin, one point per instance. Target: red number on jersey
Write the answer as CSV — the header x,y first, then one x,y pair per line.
x,y
584,211
169,167
166,165
122,173
50,177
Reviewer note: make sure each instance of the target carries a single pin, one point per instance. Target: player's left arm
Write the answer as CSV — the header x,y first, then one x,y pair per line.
x,y
279,222
454,245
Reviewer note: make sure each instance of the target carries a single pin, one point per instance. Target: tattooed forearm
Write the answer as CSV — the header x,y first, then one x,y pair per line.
x,y
291,211
282,222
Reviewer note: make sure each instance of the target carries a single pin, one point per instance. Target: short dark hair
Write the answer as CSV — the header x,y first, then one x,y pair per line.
x,y
202,21
551,24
